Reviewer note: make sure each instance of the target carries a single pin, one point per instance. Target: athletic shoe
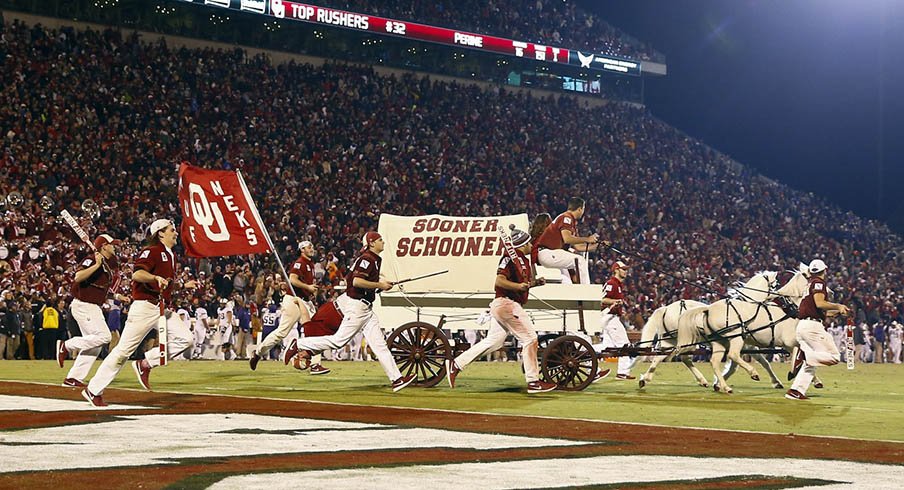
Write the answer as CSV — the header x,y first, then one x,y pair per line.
x,y
600,375
793,394
290,352
452,371
143,371
317,369
402,382
255,358
798,363
624,376
62,353
73,383
96,400
540,387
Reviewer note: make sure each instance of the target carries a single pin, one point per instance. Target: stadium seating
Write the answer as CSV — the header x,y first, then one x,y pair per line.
x,y
93,114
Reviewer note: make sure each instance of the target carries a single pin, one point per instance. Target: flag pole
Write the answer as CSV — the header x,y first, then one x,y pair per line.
x,y
260,223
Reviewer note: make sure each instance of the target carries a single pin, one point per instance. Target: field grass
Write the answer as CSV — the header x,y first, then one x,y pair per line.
x,y
863,404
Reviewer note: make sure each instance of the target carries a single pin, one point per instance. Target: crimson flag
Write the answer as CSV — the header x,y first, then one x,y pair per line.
x,y
219,217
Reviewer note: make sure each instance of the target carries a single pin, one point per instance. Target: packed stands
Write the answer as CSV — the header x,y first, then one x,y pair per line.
x,y
89,114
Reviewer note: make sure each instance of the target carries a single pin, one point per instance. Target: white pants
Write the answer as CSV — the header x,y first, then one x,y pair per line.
x,y
200,335
615,335
142,319
357,317
290,315
896,352
819,349
508,317
95,334
564,261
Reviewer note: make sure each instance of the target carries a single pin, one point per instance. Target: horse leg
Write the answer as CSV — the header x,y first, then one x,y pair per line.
x,y
648,375
716,361
760,358
730,368
734,353
817,383
698,376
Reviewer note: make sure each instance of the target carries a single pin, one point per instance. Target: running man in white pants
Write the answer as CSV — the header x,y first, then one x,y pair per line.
x,y
613,330
152,281
362,280
513,281
561,232
89,290
815,342
295,310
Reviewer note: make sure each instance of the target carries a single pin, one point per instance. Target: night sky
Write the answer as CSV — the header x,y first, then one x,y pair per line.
x,y
808,92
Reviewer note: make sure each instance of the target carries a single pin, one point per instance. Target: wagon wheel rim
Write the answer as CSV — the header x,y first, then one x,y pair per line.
x,y
570,363
420,349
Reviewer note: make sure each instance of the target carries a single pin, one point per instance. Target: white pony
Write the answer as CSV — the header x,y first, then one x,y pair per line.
x,y
784,334
662,328
726,324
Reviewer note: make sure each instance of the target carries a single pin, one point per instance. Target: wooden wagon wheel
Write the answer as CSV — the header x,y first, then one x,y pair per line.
x,y
570,362
420,349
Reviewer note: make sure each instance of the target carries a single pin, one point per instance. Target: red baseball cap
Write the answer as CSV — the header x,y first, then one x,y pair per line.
x,y
104,239
370,237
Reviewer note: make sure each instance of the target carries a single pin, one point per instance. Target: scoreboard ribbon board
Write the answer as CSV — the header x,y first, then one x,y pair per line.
x,y
282,9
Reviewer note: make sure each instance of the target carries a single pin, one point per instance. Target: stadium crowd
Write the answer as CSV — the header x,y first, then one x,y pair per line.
x,y
96,115
548,22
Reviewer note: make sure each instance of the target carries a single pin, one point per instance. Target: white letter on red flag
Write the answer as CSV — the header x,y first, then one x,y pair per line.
x,y
215,210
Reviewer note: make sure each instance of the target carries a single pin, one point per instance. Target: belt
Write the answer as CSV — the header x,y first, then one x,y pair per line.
x,y
368,303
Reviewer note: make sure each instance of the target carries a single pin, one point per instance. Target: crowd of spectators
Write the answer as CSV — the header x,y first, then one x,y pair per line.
x,y
96,115
560,23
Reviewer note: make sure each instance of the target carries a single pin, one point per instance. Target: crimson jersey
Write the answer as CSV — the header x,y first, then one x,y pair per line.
x,y
159,261
808,309
367,267
552,235
304,269
614,289
516,272
94,289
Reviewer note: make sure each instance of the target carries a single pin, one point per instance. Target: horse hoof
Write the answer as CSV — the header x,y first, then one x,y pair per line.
x,y
716,388
778,386
818,385
728,391
704,384
642,383
755,377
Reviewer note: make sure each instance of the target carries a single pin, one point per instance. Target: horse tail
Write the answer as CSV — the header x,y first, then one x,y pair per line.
x,y
652,327
688,334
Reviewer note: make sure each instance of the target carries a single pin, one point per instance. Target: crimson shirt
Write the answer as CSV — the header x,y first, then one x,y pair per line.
x,y
516,273
157,260
614,290
808,309
94,289
552,235
304,269
367,267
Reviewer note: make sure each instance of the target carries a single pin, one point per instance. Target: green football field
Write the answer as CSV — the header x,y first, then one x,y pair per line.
x,y
864,403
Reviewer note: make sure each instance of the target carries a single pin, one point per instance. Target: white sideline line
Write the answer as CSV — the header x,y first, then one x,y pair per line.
x,y
491,414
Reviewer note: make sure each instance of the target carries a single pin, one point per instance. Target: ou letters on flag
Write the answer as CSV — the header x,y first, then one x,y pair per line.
x,y
218,214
